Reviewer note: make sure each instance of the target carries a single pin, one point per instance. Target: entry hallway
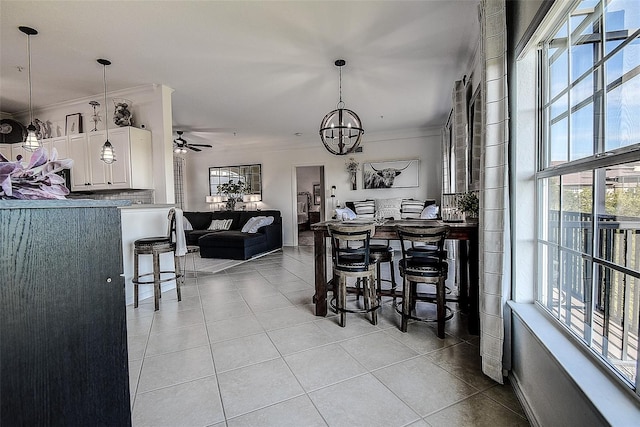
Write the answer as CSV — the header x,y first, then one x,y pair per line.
x,y
243,348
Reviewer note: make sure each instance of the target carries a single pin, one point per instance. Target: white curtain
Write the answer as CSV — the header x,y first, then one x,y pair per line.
x,y
178,180
495,246
460,130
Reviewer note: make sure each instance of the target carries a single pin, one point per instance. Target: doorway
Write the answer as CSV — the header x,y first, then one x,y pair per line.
x,y
310,201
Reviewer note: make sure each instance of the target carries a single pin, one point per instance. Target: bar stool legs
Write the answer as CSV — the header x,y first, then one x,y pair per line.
x,y
175,274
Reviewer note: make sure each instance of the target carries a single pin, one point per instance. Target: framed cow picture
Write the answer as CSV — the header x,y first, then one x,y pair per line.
x,y
391,174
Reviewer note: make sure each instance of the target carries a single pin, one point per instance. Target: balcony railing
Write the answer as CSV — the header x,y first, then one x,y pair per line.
x,y
615,315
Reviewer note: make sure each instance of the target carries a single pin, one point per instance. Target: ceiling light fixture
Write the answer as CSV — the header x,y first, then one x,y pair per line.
x,y
107,154
341,129
31,142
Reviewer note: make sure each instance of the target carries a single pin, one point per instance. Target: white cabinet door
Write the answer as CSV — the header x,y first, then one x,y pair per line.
x,y
5,150
60,144
80,175
99,169
121,168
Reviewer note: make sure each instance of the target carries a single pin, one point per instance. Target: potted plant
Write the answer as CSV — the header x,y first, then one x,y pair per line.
x,y
469,204
352,167
233,191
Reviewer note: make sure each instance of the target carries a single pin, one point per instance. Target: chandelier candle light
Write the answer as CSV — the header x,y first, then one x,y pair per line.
x,y
31,142
107,154
341,129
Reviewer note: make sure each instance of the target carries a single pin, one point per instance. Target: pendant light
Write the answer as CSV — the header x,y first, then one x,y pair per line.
x,y
107,154
341,129
31,142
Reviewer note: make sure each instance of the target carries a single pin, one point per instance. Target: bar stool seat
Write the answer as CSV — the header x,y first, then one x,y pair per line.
x,y
155,246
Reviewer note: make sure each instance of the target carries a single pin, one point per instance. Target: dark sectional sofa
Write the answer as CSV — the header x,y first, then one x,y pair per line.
x,y
233,243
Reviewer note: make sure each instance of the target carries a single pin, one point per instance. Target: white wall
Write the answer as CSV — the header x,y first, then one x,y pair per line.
x,y
151,106
278,171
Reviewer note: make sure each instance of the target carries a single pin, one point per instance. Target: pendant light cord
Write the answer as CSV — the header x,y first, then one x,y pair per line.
x,y
104,79
29,76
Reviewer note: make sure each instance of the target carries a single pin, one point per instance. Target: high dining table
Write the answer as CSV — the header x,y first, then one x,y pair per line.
x,y
466,233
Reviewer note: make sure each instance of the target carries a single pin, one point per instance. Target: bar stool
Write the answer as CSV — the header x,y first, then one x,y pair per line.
x,y
381,252
423,267
156,246
356,262
193,250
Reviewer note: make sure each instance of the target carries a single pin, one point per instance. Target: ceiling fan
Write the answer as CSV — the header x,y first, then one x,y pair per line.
x,y
180,145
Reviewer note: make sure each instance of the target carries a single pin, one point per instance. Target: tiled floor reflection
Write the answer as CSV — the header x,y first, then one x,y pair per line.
x,y
243,348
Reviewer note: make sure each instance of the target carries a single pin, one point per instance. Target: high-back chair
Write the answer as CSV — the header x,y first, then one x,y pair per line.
x,y
351,257
428,267
155,246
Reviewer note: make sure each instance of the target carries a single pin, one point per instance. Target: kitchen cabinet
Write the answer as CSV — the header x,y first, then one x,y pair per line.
x,y
5,149
11,151
59,143
131,170
83,176
17,150
62,314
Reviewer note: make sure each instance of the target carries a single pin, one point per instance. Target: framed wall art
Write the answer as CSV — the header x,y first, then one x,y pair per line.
x,y
73,124
391,174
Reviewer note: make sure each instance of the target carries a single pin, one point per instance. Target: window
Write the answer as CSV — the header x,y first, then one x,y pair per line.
x,y
588,180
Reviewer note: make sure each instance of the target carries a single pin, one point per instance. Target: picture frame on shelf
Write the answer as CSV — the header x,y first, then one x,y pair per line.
x,y
316,194
73,124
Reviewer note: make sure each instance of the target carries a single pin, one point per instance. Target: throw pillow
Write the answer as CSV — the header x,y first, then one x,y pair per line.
x,y
186,225
411,208
344,214
220,224
388,208
247,225
263,221
430,212
365,209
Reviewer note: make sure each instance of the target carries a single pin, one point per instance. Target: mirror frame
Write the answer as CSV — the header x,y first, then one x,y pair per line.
x,y
250,174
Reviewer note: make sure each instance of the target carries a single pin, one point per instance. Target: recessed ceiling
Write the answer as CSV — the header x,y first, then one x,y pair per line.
x,y
262,70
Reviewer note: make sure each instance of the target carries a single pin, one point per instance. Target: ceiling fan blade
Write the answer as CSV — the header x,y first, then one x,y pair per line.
x,y
201,145
192,148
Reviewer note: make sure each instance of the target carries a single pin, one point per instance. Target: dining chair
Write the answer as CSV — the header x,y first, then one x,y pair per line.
x,y
428,267
351,258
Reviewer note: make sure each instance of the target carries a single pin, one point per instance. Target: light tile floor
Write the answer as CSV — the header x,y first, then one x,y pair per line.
x,y
243,348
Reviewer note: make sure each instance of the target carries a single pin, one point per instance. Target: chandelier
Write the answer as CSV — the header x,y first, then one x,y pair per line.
x,y
341,129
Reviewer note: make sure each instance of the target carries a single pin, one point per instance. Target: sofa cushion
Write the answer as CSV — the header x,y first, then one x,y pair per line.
x,y
365,209
198,220
221,224
234,215
388,208
430,212
194,235
411,208
345,213
232,239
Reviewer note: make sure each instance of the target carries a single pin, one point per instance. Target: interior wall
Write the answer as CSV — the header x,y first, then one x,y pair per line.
x,y
278,171
551,399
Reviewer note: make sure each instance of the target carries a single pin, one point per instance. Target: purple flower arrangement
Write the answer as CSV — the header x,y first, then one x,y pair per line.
x,y
37,180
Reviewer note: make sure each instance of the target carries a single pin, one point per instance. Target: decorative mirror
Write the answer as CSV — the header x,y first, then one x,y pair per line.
x,y
251,175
